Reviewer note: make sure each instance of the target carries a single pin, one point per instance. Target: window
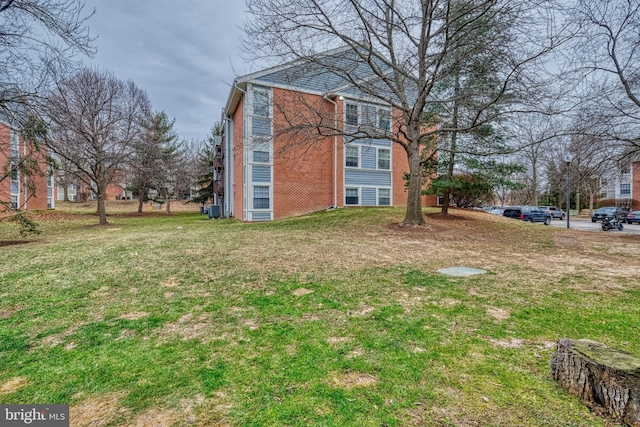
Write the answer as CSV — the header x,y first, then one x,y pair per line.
x,y
604,182
384,158
260,104
261,197
351,196
625,189
603,195
14,144
352,114
626,170
384,119
384,196
260,156
14,201
351,154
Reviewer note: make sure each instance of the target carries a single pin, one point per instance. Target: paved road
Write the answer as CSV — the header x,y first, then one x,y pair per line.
x,y
586,224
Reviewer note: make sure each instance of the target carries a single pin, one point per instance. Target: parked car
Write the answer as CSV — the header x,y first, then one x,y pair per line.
x,y
609,212
633,217
553,211
527,213
497,211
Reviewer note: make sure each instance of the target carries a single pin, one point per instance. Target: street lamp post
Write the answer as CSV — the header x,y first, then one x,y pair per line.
x,y
567,160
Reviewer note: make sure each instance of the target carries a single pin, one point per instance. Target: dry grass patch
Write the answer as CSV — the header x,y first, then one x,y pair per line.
x,y
338,341
169,283
12,384
156,417
9,311
508,343
363,311
96,411
351,380
498,314
189,327
57,339
136,315
301,291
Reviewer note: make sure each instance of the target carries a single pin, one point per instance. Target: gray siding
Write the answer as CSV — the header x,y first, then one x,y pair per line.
x,y
261,173
260,126
365,177
261,216
368,156
367,142
369,196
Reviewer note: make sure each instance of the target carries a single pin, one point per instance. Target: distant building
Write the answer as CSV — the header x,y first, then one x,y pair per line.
x,y
19,191
623,183
271,165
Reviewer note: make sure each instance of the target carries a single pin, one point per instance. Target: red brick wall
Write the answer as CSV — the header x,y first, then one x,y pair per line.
x,y
238,159
38,200
303,169
5,148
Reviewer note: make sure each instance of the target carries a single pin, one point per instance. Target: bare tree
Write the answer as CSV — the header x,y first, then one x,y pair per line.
x,y
404,46
39,39
94,120
608,54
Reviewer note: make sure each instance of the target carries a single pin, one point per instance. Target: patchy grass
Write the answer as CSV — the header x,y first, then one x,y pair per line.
x,y
335,318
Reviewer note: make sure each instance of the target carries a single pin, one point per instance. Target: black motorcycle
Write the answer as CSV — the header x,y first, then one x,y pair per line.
x,y
611,224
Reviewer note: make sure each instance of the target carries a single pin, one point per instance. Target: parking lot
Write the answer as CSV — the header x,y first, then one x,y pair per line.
x,y
587,225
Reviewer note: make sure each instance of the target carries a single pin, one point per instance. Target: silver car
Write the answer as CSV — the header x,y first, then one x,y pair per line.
x,y
553,211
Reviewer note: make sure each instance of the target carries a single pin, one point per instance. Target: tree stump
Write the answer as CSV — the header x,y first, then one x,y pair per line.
x,y
605,379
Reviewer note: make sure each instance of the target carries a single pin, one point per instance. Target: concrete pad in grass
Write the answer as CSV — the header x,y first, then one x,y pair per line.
x,y
461,271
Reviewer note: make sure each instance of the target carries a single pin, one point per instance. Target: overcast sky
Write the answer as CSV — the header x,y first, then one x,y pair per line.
x,y
184,54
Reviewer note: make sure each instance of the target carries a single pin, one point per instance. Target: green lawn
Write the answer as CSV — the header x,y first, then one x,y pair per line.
x,y
333,319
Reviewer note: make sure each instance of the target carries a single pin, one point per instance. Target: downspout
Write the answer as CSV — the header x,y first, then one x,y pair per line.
x,y
229,184
335,152
245,189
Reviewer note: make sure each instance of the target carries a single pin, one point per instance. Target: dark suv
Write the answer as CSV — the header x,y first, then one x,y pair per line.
x,y
527,213
609,213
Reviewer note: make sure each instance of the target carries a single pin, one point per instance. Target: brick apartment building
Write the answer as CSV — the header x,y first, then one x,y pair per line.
x,y
15,188
272,164
623,183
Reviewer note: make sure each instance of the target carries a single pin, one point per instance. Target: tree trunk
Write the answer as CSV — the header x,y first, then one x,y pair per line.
x,y
604,379
168,206
66,192
454,140
414,198
141,197
102,212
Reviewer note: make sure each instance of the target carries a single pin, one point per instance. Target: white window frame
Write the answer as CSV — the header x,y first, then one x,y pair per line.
x,y
378,159
358,160
389,196
348,114
253,198
381,113
359,196
627,191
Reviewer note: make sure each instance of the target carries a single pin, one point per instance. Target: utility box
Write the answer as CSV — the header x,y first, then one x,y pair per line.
x,y
214,211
